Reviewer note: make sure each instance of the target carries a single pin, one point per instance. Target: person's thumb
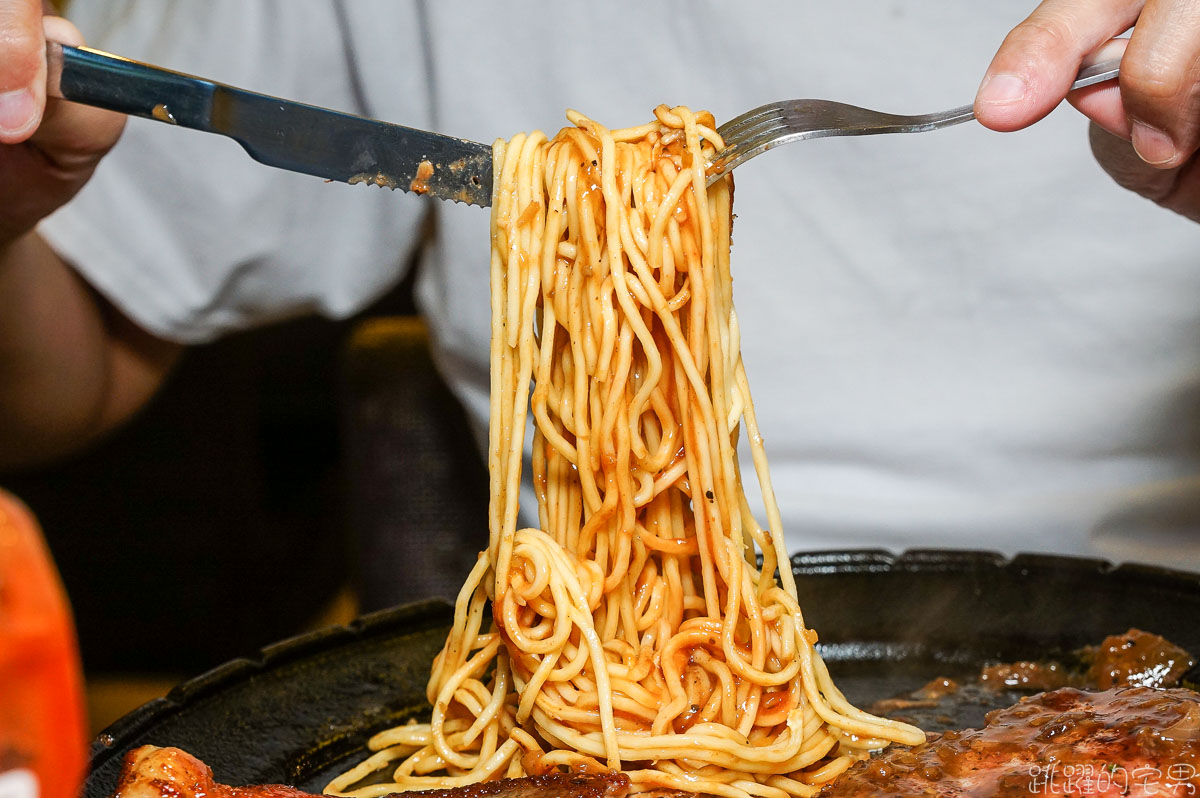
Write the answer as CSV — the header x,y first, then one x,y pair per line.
x,y
22,69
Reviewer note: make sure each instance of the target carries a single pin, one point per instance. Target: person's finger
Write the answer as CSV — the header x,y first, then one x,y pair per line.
x,y
1160,82
1177,188
40,174
61,30
71,135
22,69
1034,67
46,170
1102,102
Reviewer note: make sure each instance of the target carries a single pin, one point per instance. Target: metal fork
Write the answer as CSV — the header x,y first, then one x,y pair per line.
x,y
779,123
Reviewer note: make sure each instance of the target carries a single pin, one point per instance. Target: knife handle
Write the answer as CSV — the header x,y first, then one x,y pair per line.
x,y
92,77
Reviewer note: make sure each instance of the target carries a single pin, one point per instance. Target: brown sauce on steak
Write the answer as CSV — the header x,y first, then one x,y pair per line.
x,y
1133,659
1131,741
1026,675
1136,658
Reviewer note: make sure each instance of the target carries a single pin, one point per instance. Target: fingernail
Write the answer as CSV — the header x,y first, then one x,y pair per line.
x,y
1152,145
17,110
1003,89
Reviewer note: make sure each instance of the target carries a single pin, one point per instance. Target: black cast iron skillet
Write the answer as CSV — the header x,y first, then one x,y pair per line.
x,y
301,710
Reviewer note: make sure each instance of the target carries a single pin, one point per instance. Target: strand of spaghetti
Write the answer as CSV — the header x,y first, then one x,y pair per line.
x,y
583,619
501,199
518,264
486,770
774,519
723,476
472,667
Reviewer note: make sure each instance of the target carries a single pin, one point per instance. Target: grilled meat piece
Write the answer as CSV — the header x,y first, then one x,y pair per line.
x,y
1133,659
151,772
1136,658
1129,742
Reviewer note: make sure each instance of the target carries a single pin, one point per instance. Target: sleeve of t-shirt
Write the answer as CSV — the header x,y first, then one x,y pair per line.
x,y
186,234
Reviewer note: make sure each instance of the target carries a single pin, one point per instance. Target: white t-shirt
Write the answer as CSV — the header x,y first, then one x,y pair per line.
x,y
956,339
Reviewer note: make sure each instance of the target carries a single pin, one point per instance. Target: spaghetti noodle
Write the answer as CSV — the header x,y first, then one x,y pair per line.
x,y
631,629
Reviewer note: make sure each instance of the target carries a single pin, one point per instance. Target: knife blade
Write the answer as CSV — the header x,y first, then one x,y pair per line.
x,y
277,132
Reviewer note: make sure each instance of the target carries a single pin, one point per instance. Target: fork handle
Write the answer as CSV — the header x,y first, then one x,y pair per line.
x,y
1097,73
1088,76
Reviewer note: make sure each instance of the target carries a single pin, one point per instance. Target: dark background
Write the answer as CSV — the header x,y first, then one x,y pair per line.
x,y
276,469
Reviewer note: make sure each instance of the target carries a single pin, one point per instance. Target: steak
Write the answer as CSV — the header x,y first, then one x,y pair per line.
x,y
150,772
1122,743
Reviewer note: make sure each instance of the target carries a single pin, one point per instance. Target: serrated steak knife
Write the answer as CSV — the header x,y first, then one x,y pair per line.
x,y
277,132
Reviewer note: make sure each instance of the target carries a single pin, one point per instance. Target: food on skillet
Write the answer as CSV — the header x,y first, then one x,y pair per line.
x,y
1130,741
631,630
151,772
1132,659
1127,741
1136,658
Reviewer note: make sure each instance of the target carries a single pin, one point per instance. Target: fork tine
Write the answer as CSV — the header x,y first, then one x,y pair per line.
x,y
752,126
732,127
764,130
737,145
809,115
783,123
728,160
741,149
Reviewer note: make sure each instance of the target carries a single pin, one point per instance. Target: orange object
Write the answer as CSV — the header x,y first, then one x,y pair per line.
x,y
42,727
